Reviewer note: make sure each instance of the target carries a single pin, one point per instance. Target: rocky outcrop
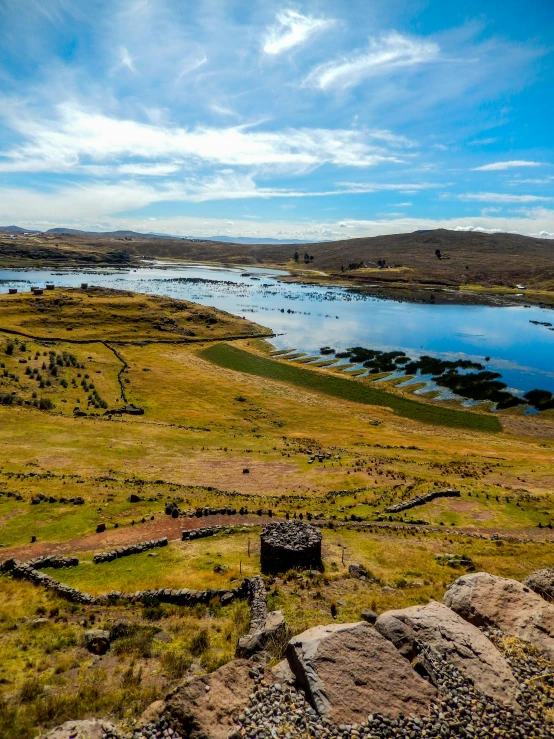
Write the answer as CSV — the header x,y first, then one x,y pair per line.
x,y
266,628
351,670
435,627
542,582
422,499
90,729
487,600
142,546
288,545
203,707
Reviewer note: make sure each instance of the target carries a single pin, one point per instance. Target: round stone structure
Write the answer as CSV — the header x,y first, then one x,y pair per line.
x,y
290,545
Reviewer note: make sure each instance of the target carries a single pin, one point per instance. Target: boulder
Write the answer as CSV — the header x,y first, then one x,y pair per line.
x,y
97,641
542,582
203,707
89,729
273,631
358,571
487,600
350,670
369,616
436,627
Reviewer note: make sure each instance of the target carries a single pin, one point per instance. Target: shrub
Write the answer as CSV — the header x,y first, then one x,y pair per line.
x,y
10,346
200,643
175,662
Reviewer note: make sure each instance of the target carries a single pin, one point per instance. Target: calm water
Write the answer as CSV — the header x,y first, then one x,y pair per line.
x,y
306,317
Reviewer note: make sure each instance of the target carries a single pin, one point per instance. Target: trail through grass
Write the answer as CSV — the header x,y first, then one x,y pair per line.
x,y
242,361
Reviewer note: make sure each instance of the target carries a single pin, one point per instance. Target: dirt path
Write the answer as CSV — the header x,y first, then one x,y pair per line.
x,y
162,526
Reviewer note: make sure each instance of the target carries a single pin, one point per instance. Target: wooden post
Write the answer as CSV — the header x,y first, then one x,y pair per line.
x,y
342,545
248,547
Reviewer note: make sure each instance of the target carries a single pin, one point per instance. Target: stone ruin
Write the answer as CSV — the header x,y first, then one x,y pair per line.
x,y
290,545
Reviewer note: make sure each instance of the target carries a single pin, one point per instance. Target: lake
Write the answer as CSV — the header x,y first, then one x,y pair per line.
x,y
307,317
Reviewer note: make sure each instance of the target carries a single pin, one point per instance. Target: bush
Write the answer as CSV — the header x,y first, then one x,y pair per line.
x,y
200,643
175,663
45,404
10,346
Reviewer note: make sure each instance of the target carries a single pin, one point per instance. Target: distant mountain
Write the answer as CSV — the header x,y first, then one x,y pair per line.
x,y
251,240
61,231
17,230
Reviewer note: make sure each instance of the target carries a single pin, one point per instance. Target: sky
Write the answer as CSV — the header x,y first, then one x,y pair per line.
x,y
316,120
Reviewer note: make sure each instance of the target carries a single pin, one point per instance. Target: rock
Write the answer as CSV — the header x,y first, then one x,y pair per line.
x,y
542,582
134,498
100,528
369,616
282,672
273,631
454,640
90,729
203,707
357,570
487,600
170,508
97,641
350,671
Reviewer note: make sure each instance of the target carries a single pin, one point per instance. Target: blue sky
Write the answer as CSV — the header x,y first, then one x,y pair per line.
x,y
307,120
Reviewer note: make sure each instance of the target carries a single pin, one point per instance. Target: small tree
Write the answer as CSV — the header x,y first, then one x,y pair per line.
x,y
296,256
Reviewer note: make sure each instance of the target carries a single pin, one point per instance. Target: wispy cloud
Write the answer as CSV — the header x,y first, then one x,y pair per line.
x,y
388,53
126,60
293,28
512,164
499,197
78,136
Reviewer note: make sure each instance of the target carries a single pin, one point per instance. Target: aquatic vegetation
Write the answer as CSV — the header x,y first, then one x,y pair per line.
x,y
239,360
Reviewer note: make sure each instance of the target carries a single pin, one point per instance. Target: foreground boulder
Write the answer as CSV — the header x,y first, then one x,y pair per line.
x,y
350,671
487,600
203,707
92,729
542,582
459,643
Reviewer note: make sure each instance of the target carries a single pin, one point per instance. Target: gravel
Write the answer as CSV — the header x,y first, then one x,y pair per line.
x,y
280,711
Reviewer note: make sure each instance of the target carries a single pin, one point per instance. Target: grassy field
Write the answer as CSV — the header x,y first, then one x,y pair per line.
x,y
241,361
204,424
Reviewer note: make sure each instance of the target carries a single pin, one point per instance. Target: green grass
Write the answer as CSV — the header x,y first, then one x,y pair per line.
x,y
242,361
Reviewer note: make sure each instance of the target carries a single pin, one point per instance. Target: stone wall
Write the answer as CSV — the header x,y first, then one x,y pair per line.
x,y
57,563
422,499
143,546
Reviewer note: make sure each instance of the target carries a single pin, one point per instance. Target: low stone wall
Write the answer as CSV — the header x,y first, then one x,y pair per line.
x,y
183,597
265,627
289,545
57,563
190,534
24,571
143,546
422,499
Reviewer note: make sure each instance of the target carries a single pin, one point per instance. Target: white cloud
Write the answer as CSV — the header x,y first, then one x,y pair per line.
x,y
498,166
390,52
292,29
79,136
499,197
126,60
